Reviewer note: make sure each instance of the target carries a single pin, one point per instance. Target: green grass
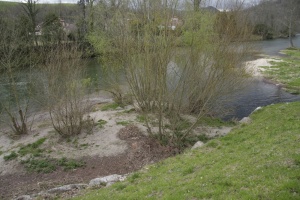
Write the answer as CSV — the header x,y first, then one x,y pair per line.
x,y
123,123
100,123
141,118
110,106
42,165
32,148
286,71
47,165
260,160
13,155
70,164
215,122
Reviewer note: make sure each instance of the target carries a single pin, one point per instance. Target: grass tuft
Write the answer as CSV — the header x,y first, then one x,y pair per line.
x,y
13,155
110,106
286,71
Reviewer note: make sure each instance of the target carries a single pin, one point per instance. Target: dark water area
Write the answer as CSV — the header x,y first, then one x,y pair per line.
x,y
259,92
256,93
273,47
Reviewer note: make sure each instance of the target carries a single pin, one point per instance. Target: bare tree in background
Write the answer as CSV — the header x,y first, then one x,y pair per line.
x,y
291,12
31,11
197,5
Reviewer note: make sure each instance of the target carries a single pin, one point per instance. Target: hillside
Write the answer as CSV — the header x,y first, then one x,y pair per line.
x,y
260,160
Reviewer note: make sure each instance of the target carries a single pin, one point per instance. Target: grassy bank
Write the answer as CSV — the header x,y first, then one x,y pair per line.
x,y
256,161
286,71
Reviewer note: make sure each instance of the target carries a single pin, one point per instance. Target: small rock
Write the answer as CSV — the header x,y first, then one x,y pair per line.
x,y
258,108
24,197
106,180
197,145
66,188
245,120
136,107
119,108
129,107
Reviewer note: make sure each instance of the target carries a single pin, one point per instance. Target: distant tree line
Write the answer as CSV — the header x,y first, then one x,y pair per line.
x,y
275,18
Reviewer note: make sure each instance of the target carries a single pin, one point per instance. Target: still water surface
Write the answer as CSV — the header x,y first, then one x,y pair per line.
x,y
256,93
259,92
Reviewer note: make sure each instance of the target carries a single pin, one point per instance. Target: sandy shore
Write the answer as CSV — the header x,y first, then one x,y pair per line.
x,y
255,67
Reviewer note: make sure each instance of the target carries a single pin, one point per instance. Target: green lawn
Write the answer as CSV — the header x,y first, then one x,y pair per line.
x,y
286,71
256,161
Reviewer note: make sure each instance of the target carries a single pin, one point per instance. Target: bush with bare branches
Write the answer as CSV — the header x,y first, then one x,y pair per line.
x,y
169,82
65,90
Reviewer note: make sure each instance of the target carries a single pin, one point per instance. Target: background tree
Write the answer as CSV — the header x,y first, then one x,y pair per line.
x,y
31,11
291,12
197,5
52,29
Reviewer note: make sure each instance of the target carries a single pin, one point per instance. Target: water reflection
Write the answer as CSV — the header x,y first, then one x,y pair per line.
x,y
257,93
260,92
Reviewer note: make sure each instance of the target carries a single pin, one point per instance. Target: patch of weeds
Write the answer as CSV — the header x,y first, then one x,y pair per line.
x,y
37,134
129,111
203,138
88,125
141,118
182,125
123,123
100,123
84,146
52,132
212,144
120,186
110,106
32,148
46,165
132,178
39,165
13,155
187,171
297,160
43,125
75,142
215,122
70,164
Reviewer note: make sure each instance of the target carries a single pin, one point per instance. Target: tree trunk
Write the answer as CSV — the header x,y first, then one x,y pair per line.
x,y
197,5
290,34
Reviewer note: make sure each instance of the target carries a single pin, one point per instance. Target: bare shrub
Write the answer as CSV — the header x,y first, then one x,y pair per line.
x,y
15,97
65,91
169,81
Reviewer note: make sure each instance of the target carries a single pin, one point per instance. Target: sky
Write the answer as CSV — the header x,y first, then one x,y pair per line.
x,y
221,4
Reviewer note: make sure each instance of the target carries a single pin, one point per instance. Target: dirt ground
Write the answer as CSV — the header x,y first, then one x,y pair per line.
x,y
141,150
120,146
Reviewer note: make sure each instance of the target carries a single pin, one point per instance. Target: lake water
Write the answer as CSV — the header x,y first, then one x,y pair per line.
x,y
256,93
259,92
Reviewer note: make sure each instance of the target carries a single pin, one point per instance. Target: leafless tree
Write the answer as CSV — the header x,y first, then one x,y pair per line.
x,y
291,12
168,82
31,10
64,90
16,106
